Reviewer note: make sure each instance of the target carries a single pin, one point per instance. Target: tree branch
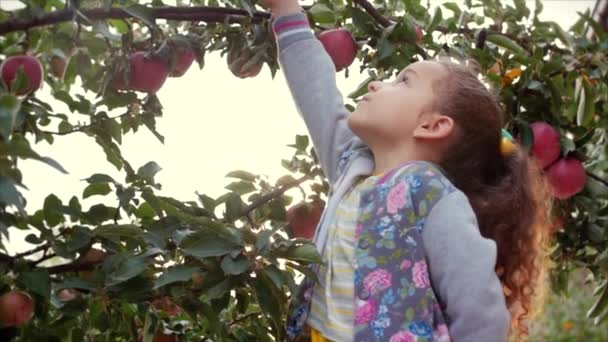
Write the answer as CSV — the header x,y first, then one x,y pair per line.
x,y
597,178
273,194
71,267
373,12
83,127
195,13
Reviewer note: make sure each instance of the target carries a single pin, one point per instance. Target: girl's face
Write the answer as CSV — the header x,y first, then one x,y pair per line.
x,y
391,111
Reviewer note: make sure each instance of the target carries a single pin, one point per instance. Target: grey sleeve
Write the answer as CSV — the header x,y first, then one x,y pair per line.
x,y
462,269
311,77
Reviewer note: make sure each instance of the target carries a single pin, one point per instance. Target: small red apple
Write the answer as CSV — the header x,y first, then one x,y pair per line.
x,y
567,177
92,256
58,65
148,74
419,34
546,147
184,59
16,308
160,337
166,304
66,295
304,218
31,67
340,45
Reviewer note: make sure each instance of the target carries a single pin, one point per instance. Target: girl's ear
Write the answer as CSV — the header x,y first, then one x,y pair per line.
x,y
434,126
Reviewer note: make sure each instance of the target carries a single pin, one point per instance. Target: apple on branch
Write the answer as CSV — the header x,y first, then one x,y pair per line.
x,y
16,308
567,177
304,218
341,46
546,146
32,68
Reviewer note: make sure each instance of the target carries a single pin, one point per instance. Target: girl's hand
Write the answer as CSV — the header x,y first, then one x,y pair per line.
x,y
282,7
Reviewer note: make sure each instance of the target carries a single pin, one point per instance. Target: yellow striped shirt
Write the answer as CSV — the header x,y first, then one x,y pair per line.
x,y
332,307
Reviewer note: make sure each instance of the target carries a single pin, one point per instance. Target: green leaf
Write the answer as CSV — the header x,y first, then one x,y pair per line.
x,y
149,170
20,147
600,304
219,289
96,189
9,194
98,213
243,175
37,281
361,89
75,283
52,215
538,8
9,106
145,210
436,20
586,105
78,238
209,242
141,12
235,266
363,21
125,268
175,274
507,43
270,298
452,6
120,25
118,231
234,206
241,187
207,202
564,36
100,178
306,253
322,14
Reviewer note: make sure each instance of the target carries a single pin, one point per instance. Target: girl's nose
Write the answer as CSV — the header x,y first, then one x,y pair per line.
x,y
374,86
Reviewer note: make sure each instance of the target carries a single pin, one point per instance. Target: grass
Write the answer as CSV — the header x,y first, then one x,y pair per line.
x,y
564,318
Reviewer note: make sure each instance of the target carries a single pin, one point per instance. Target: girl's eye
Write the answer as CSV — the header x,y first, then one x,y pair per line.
x,y
404,79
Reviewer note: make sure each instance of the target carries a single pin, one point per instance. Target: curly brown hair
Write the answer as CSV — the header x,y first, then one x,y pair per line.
x,y
509,195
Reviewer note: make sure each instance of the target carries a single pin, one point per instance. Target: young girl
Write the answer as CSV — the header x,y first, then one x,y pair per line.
x,y
433,230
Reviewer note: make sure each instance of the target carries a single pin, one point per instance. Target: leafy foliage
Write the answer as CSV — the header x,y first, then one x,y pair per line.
x,y
231,262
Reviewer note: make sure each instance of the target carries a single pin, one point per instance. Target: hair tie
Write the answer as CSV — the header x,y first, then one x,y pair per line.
x,y
507,145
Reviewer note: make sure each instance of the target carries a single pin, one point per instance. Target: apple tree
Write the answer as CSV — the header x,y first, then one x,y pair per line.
x,y
156,268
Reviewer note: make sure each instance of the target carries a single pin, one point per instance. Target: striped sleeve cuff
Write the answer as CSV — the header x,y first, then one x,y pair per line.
x,y
290,29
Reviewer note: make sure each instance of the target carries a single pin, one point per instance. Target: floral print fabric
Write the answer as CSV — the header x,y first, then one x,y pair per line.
x,y
394,300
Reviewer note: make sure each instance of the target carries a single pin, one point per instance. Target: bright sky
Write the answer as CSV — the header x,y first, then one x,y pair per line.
x,y
213,123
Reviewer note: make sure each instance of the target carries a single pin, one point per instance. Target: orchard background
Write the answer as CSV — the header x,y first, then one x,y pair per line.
x,y
220,248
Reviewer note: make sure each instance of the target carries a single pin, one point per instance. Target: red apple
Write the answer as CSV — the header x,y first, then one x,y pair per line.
x,y
546,147
148,74
340,46
160,337
66,295
58,65
16,308
166,304
419,34
183,61
304,218
92,256
31,67
567,177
